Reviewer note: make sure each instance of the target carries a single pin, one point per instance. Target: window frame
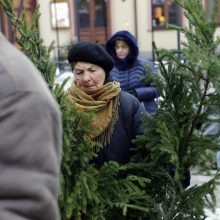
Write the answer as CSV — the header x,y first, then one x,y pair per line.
x,y
207,8
166,13
60,14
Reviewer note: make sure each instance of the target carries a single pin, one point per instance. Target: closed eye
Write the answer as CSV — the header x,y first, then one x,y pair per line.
x,y
78,72
92,70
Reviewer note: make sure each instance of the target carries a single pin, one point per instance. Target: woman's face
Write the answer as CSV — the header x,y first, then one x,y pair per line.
x,y
122,49
88,76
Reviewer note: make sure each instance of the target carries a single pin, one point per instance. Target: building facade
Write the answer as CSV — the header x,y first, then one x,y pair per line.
x,y
68,21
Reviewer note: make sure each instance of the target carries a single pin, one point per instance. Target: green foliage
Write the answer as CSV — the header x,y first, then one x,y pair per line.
x,y
86,192
172,143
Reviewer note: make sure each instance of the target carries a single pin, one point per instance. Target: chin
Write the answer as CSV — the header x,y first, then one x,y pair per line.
x,y
121,58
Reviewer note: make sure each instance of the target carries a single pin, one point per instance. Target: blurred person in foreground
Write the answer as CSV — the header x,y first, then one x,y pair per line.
x,y
30,143
129,69
118,114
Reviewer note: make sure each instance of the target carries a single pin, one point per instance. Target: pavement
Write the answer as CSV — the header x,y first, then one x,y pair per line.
x,y
200,178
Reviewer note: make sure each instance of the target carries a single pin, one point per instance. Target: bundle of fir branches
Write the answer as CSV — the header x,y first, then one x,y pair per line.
x,y
172,143
86,193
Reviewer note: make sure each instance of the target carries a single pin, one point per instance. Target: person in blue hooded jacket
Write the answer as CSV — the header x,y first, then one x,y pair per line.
x,y
129,69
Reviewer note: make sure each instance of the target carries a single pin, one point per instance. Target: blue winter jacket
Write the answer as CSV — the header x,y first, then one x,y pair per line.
x,y
129,72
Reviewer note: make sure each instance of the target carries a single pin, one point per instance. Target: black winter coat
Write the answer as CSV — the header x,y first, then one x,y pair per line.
x,y
131,113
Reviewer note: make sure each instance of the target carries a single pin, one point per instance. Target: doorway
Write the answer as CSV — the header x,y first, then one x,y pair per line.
x,y
93,17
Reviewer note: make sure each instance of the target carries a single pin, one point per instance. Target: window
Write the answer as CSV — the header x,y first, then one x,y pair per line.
x,y
164,12
60,14
92,13
100,13
93,19
84,13
209,4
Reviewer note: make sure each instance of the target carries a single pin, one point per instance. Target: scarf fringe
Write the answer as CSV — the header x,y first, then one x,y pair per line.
x,y
103,102
105,137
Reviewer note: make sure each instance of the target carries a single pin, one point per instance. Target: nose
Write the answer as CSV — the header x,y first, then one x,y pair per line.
x,y
86,76
119,49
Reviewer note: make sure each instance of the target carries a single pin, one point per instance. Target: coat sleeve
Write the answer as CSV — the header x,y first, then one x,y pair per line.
x,y
148,92
134,113
29,158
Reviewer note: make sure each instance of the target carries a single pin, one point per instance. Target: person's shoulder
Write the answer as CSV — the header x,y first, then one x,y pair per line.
x,y
19,75
18,70
130,105
126,95
128,100
114,69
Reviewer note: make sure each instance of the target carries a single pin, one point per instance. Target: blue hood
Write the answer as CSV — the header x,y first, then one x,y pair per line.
x,y
129,61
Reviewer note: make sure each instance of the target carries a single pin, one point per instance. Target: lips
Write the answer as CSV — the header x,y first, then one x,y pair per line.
x,y
121,56
88,87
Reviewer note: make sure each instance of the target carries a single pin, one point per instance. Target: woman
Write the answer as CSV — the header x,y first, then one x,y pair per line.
x,y
129,70
118,114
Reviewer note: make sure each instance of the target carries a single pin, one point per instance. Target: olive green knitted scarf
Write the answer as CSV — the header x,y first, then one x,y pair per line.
x,y
103,103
